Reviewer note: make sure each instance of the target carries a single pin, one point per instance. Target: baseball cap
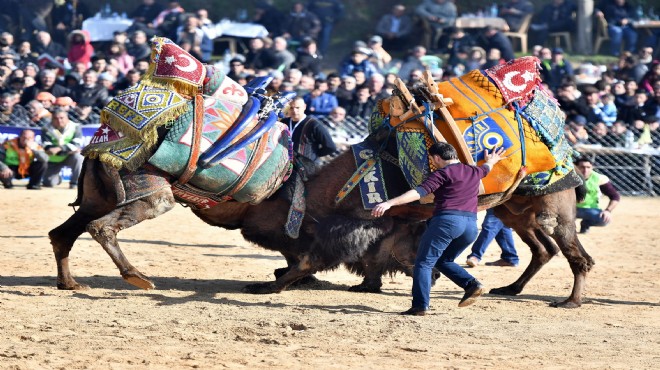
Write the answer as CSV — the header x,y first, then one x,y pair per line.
x,y
557,51
376,39
579,119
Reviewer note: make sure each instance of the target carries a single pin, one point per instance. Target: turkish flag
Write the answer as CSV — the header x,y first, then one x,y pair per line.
x,y
174,62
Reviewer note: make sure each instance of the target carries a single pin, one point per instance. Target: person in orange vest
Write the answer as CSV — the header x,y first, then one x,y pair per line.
x,y
22,157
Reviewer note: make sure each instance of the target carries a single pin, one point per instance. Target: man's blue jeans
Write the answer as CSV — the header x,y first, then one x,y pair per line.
x,y
446,237
493,228
590,217
619,34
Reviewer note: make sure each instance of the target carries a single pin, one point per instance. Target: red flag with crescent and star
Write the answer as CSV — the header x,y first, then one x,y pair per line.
x,y
516,79
172,62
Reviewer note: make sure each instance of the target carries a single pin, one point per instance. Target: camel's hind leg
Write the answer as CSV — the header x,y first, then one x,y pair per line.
x,y
104,230
294,273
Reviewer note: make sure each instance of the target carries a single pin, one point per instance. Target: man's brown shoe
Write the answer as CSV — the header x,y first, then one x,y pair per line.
x,y
415,311
501,263
471,294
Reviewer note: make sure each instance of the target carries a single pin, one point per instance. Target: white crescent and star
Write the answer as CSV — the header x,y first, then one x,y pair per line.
x,y
508,83
191,67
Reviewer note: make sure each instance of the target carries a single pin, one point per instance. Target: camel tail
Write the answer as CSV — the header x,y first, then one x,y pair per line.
x,y
81,183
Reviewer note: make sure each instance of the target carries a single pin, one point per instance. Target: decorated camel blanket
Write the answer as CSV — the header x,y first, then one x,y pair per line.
x,y
179,109
504,106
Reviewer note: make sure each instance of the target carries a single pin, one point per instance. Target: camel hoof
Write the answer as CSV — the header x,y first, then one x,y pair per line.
x,y
307,280
506,290
139,281
72,286
566,304
364,289
260,288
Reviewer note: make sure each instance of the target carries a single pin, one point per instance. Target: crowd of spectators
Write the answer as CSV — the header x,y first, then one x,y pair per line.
x,y
59,69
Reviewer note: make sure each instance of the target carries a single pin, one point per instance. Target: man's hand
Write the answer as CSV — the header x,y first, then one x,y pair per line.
x,y
54,150
6,173
606,216
380,209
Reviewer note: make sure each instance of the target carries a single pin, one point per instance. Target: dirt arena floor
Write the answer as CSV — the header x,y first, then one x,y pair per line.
x,y
199,318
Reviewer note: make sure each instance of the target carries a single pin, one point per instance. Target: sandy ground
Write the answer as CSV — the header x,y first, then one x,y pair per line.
x,y
198,317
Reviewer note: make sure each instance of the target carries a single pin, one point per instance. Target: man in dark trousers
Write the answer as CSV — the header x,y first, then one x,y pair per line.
x,y
310,137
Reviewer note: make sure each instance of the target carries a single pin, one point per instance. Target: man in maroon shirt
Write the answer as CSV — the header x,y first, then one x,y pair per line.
x,y
453,226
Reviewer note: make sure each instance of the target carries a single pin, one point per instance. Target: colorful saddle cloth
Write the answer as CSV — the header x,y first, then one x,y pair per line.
x,y
501,107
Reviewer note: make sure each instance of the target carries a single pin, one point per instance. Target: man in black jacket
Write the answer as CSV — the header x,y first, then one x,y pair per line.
x,y
90,90
46,83
309,136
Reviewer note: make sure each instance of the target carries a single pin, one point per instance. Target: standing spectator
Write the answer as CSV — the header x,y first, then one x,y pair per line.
x,y
12,114
493,228
47,79
90,90
319,103
359,61
282,55
494,39
138,48
193,40
329,12
206,24
395,28
436,15
269,16
300,23
80,47
361,106
378,55
62,141
620,15
597,184
309,137
146,12
308,61
45,45
554,17
20,158
453,225
168,21
514,12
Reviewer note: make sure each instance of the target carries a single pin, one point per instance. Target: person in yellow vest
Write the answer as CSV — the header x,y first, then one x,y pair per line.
x,y
597,184
22,157
62,140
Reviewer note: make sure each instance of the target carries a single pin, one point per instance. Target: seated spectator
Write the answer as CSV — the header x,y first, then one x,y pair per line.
x,y
493,58
71,80
275,85
651,77
84,113
131,78
608,108
46,99
282,55
259,57
300,24
415,77
620,15
358,62
99,63
64,103
570,101
575,130
412,62
47,79
376,84
80,47
193,40
334,81
589,210
90,90
20,158
139,48
62,141
26,55
514,13
494,39
124,61
556,70
597,110
12,114
554,17
308,61
305,86
461,42
45,45
476,58
617,134
293,77
319,103
345,91
336,126
598,134
395,28
236,68
436,15
39,116
635,111
108,82
361,106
